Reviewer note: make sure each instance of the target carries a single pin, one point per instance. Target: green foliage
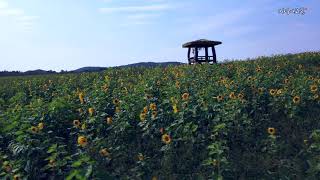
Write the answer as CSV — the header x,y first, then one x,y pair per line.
x,y
236,120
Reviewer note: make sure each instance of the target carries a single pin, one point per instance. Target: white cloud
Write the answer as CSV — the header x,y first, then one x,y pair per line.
x,y
3,4
141,16
25,22
149,8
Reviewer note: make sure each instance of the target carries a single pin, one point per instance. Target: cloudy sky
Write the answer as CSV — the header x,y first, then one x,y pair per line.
x,y
69,34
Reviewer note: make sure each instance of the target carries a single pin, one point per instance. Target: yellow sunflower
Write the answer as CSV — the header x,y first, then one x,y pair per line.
x,y
82,141
175,108
232,95
40,126
260,90
240,96
316,96
153,106
145,109
81,97
271,131
273,92
76,123
109,120
154,114
116,102
104,152
220,98
258,69
313,88
177,84
52,163
140,157
16,177
185,96
143,116
91,111
296,99
279,91
34,129
166,139
117,109
215,162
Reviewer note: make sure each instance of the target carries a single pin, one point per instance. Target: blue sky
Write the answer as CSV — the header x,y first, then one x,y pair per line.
x,y
69,34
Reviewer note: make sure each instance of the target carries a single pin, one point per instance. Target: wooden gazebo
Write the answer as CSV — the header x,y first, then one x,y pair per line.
x,y
198,45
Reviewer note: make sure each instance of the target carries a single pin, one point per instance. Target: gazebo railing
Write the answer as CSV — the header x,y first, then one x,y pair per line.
x,y
202,58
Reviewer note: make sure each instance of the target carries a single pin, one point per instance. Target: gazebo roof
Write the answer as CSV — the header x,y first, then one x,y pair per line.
x,y
201,43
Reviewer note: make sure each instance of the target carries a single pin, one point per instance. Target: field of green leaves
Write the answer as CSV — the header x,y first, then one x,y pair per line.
x,y
254,119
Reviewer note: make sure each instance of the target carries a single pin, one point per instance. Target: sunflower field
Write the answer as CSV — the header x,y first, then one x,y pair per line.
x,y
253,119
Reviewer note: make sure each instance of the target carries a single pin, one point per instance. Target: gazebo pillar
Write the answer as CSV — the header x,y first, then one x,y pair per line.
x,y
189,51
214,54
196,54
207,54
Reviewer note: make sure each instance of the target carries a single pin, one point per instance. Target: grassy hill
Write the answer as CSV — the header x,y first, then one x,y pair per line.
x,y
256,119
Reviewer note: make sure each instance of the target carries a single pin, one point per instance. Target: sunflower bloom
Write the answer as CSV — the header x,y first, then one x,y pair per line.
x,y
76,123
316,96
82,141
271,131
140,157
52,163
260,90
16,177
143,116
185,96
117,109
166,139
240,96
109,120
273,92
34,129
81,97
104,152
279,91
215,162
313,88
220,98
153,106
296,99
40,126
232,95
258,69
116,102
154,114
145,110
177,84
91,111
175,108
